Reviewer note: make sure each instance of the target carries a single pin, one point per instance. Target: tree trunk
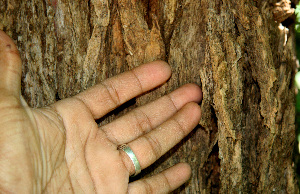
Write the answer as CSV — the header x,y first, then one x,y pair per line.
x,y
237,51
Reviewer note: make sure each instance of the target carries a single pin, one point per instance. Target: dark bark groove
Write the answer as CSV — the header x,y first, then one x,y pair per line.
x,y
237,51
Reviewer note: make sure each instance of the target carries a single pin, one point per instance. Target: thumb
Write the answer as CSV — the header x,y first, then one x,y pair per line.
x,y
10,66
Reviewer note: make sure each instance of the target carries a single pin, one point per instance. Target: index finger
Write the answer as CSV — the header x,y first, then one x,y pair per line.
x,y
106,96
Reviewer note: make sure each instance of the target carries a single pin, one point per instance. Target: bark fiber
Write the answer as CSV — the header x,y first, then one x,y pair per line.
x,y
236,50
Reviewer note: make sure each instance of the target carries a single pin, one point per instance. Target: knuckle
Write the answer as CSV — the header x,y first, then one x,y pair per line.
x,y
166,182
147,186
139,83
154,145
143,121
180,128
113,94
172,102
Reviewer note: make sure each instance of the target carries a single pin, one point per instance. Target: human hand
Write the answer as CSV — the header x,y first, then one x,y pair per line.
x,y
61,149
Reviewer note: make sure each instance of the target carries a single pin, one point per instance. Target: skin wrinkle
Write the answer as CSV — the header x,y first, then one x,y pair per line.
x,y
11,116
78,99
52,152
41,151
51,176
47,111
8,57
78,183
60,118
145,119
10,49
11,134
163,174
138,81
13,120
30,114
84,144
64,182
111,137
114,97
154,145
15,104
89,171
55,167
70,164
13,71
86,162
62,149
57,135
148,186
76,180
180,127
172,101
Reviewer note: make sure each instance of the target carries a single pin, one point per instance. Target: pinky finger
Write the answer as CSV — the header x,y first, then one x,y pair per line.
x,y
163,182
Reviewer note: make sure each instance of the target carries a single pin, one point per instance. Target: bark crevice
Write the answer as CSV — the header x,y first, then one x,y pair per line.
x,y
239,53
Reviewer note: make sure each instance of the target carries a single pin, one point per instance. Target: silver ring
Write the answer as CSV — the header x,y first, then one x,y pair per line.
x,y
129,152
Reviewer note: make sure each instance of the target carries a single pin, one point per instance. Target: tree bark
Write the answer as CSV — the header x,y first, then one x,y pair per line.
x,y
237,51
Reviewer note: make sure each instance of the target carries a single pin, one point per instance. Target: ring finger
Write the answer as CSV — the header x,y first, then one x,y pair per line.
x,y
151,146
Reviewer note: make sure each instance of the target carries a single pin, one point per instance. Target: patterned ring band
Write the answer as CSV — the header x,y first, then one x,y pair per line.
x,y
129,152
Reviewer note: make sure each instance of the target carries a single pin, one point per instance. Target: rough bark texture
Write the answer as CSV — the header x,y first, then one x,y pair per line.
x,y
236,50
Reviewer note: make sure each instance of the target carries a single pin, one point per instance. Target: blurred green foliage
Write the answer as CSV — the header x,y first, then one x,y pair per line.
x,y
297,29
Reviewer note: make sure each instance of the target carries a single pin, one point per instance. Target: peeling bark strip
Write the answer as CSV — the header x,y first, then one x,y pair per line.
x,y
237,51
